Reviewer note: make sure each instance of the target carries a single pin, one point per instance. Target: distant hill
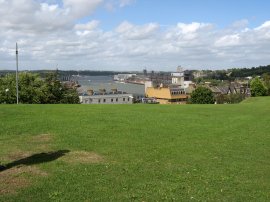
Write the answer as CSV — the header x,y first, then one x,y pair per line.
x,y
213,74
69,72
254,71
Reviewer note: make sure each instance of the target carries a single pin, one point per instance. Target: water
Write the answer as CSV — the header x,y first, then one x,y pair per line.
x,y
107,82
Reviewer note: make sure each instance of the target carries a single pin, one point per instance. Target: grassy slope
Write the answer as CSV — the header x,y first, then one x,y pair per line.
x,y
152,152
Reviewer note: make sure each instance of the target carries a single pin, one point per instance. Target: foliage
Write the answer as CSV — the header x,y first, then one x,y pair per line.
x,y
202,95
218,75
230,99
7,89
232,74
254,71
34,90
162,153
221,99
266,81
65,73
257,88
214,82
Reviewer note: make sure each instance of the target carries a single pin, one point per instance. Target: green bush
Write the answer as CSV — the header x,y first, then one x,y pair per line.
x,y
257,88
35,90
202,95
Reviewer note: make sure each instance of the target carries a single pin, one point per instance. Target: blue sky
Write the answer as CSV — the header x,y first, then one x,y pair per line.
x,y
134,34
222,13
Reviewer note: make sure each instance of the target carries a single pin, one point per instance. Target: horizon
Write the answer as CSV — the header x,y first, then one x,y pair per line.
x,y
129,71
132,35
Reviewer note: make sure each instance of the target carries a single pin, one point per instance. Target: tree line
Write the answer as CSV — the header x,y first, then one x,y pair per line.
x,y
254,71
36,90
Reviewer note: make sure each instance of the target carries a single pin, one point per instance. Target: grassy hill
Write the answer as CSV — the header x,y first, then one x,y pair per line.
x,y
135,152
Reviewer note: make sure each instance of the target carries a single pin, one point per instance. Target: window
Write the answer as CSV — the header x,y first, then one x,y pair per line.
x,y
128,99
98,100
124,99
116,99
111,100
104,100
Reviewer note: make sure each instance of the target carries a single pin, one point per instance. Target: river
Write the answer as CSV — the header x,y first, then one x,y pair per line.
x,y
107,82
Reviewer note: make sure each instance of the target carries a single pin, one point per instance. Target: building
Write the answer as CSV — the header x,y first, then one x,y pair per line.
x,y
123,77
232,88
182,78
103,97
161,78
178,78
199,74
167,95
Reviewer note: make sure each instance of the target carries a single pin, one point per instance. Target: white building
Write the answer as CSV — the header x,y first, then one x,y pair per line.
x,y
114,97
182,79
178,78
123,77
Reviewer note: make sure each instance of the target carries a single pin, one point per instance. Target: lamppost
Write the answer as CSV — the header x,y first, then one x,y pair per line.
x,y
7,100
17,74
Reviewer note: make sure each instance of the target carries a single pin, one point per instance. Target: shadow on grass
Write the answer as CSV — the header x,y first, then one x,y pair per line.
x,y
35,159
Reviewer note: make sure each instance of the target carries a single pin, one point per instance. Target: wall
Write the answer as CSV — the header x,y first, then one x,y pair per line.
x,y
109,99
164,93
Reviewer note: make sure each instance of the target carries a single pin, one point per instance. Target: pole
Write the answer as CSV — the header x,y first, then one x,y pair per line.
x,y
17,76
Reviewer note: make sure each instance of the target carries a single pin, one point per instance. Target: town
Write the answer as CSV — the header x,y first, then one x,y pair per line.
x,y
176,87
224,86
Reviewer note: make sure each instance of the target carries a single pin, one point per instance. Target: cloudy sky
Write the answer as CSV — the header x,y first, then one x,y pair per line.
x,y
134,34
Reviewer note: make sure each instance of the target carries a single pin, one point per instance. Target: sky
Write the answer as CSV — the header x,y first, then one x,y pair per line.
x,y
126,35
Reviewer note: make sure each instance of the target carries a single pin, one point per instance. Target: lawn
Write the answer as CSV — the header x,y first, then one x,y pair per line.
x,y
135,152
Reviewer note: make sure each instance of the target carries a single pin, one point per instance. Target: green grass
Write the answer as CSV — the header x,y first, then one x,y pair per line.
x,y
151,152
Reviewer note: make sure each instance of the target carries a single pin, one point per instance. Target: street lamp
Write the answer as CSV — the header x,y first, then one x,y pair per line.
x,y
17,74
7,101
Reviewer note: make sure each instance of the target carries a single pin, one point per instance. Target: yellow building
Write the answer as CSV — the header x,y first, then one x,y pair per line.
x,y
167,95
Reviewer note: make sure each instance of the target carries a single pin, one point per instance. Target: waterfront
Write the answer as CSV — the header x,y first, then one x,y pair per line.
x,y
107,83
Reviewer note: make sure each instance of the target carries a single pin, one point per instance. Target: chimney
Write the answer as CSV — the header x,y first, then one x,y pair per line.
x,y
114,90
90,91
102,91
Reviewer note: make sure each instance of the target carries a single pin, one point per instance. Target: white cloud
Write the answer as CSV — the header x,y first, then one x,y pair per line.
x,y
50,33
81,8
265,25
228,40
48,8
123,3
112,5
130,31
87,26
192,28
263,31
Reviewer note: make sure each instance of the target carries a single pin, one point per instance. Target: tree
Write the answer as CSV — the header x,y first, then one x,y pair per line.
x,y
53,89
202,95
57,93
8,89
34,90
30,88
221,99
235,98
257,88
266,81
